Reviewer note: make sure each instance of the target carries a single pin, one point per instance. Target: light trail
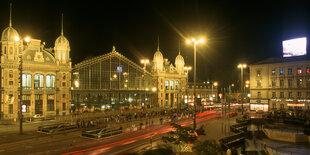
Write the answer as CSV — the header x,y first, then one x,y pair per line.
x,y
93,150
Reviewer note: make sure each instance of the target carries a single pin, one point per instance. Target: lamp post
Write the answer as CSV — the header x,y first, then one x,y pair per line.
x,y
242,66
214,96
195,43
20,44
187,68
144,62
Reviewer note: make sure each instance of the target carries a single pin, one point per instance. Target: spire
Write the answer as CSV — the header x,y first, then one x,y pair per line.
x,y
10,25
113,49
179,48
62,24
157,43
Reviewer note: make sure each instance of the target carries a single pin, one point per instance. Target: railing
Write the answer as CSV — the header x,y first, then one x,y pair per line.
x,y
101,133
56,128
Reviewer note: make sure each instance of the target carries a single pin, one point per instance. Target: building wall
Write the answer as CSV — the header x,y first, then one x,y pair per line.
x,y
285,85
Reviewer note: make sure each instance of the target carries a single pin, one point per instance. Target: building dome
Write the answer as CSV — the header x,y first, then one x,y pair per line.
x,y
179,63
179,60
62,44
158,60
9,34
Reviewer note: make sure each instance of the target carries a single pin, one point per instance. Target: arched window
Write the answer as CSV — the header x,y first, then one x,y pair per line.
x,y
63,56
38,81
50,81
26,81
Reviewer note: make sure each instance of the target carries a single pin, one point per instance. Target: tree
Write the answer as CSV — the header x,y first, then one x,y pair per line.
x,y
208,147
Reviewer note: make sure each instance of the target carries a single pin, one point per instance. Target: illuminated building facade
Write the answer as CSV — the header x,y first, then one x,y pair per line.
x,y
111,81
280,83
170,80
46,74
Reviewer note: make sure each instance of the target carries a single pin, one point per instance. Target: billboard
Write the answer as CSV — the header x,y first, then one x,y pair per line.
x,y
295,47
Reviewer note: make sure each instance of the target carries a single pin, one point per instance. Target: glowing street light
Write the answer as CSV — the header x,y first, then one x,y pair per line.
x,y
195,42
144,62
242,66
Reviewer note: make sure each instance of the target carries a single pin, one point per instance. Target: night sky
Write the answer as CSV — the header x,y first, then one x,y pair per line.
x,y
235,31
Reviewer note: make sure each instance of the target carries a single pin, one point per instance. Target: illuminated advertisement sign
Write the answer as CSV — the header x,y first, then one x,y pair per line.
x,y
295,47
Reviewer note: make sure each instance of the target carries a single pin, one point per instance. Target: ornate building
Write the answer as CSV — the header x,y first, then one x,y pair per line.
x,y
46,74
170,80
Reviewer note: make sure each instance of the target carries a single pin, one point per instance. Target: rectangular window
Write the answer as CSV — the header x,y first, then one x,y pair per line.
x,y
299,71
281,83
281,94
281,106
281,71
10,84
64,106
289,71
10,108
273,94
274,106
10,74
308,94
259,83
290,95
259,94
273,83
273,72
171,84
50,102
167,85
64,84
308,82
298,94
290,83
299,82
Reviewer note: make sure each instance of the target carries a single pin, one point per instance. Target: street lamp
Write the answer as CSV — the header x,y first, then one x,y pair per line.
x,y
20,43
214,96
144,62
195,43
242,66
187,68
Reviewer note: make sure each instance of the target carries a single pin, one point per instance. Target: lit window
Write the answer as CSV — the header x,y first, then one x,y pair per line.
x,y
50,81
167,85
176,84
171,84
64,56
299,82
259,83
273,72
308,70
289,71
26,78
38,81
281,71
299,71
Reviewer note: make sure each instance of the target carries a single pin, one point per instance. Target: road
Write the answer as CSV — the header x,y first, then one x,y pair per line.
x,y
73,143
